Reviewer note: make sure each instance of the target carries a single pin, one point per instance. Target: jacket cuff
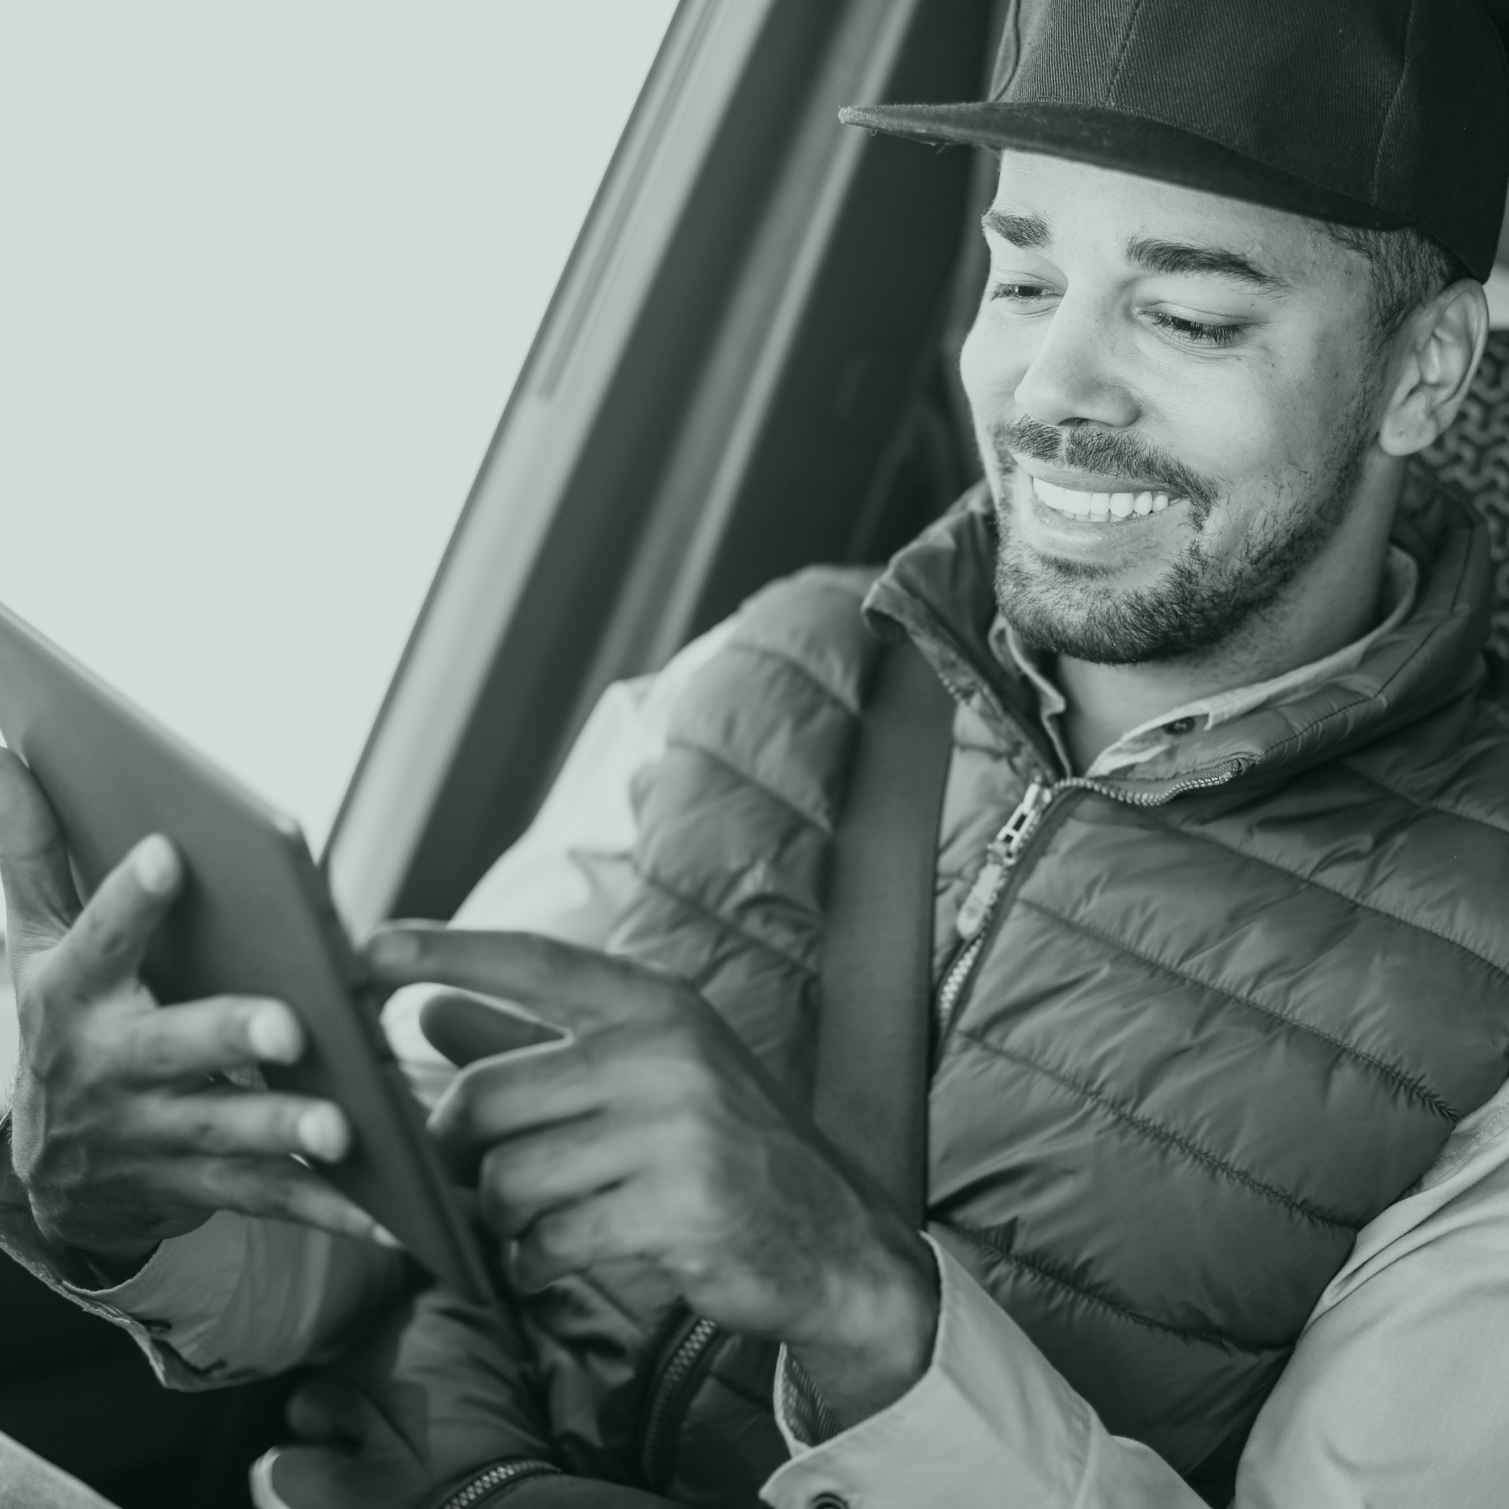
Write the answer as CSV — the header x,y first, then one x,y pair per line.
x,y
186,1278
990,1422
180,1294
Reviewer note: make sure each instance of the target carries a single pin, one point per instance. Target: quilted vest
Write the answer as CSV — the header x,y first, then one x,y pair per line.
x,y
1230,1007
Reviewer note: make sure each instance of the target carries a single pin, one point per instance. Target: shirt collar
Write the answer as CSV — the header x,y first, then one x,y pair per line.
x,y
1400,585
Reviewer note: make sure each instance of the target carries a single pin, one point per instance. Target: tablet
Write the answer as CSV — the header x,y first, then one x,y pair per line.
x,y
255,918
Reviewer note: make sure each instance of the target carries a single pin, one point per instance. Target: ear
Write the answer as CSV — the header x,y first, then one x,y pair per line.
x,y
1436,354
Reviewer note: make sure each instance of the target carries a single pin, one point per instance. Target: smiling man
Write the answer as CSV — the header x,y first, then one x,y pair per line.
x,y
1180,402
1219,1140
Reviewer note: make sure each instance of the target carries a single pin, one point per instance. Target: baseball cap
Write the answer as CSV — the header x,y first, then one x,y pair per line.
x,y
1375,113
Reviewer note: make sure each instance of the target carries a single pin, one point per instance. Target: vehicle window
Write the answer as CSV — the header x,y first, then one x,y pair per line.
x,y
269,273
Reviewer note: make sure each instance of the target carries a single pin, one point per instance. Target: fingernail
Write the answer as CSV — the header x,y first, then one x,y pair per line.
x,y
156,865
322,1133
385,1238
271,1035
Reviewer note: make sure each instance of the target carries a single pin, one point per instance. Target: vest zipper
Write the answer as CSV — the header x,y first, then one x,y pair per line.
x,y
663,1417
1004,852
973,924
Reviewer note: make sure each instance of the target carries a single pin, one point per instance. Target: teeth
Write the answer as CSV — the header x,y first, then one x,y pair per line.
x,y
1100,506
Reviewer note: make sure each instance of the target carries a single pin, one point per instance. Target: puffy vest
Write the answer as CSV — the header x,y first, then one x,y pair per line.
x,y
1229,1009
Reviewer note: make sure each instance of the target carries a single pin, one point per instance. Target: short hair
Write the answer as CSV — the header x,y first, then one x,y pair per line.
x,y
1408,268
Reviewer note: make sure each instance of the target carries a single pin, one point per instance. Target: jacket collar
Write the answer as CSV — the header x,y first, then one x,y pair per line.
x,y
940,590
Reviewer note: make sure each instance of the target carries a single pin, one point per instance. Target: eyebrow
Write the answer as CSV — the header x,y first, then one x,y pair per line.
x,y
1029,232
1181,257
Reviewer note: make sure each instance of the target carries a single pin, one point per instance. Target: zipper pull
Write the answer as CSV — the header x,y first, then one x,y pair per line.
x,y
1000,855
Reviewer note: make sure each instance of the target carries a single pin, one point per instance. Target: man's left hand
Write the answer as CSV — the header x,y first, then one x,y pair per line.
x,y
650,1131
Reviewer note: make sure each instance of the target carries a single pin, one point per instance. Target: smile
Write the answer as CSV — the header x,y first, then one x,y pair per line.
x,y
1102,507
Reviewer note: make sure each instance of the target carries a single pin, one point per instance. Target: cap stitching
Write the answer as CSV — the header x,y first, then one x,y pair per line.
x,y
1393,104
1114,80
1013,28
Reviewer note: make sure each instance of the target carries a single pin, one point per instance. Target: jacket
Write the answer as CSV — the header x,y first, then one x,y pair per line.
x,y
1227,1008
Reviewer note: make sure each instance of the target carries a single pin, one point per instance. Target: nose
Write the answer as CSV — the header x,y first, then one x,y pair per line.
x,y
1072,376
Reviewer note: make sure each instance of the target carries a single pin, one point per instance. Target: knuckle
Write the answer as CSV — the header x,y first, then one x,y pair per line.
x,y
101,932
557,1239
280,1197
282,1125
472,1092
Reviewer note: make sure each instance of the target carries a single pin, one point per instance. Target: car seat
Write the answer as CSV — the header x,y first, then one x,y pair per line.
x,y
1473,456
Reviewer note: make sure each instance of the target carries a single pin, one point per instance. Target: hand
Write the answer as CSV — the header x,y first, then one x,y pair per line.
x,y
651,1132
119,1134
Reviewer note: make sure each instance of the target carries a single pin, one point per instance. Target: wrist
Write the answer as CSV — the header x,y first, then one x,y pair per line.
x,y
875,1340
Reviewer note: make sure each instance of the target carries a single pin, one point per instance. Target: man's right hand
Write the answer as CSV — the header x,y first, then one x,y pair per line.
x,y
122,1133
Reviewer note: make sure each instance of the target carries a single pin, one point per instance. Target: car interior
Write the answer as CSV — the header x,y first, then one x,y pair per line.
x,y
749,365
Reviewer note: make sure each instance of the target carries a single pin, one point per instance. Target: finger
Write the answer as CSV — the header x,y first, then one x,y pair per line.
x,y
231,1123
40,898
466,1029
103,950
207,1037
497,1098
570,986
603,1228
525,1179
282,1190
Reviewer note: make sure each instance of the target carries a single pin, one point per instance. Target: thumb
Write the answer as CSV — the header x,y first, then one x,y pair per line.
x,y
465,1028
103,950
40,899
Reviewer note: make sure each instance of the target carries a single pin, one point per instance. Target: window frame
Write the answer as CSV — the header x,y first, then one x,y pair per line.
x,y
647,470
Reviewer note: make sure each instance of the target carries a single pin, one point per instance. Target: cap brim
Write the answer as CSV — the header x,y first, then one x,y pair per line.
x,y
1127,143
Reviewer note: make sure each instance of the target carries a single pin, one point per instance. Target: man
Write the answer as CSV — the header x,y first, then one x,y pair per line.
x,y
1222,880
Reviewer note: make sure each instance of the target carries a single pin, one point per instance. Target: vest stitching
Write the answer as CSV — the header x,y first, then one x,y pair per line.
x,y
751,780
692,905
1150,1128
1411,1087
1041,1270
767,652
1498,829
1357,901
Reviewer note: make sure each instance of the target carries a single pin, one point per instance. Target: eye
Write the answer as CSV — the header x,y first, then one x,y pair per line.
x,y
1195,331
1020,293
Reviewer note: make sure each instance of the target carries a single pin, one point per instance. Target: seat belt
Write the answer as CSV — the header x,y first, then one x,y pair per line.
x,y
870,1087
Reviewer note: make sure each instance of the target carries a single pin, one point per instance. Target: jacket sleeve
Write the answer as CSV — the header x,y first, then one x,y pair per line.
x,y
1390,1400
1393,1397
236,1299
990,1422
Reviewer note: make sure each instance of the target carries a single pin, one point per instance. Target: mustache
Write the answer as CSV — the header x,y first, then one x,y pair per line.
x,y
1083,448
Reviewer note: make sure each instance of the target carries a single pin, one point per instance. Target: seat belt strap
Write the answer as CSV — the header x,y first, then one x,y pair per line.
x,y
870,1088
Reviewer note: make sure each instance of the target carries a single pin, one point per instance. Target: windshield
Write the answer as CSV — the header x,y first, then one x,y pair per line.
x,y
269,274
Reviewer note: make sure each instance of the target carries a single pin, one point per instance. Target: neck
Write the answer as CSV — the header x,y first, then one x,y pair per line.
x,y
1332,602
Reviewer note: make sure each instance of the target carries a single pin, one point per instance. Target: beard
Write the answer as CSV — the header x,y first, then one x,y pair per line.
x,y
1200,600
